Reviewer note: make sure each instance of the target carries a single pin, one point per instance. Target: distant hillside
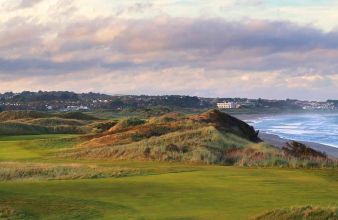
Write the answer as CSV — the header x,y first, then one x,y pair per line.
x,y
76,115
145,104
32,122
15,115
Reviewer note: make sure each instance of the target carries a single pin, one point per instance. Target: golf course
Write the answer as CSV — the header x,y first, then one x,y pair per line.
x,y
36,183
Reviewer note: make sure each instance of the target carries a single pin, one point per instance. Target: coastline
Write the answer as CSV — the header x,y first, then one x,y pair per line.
x,y
280,142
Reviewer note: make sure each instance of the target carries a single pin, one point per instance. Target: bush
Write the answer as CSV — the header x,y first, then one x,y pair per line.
x,y
300,150
147,152
172,148
304,213
129,122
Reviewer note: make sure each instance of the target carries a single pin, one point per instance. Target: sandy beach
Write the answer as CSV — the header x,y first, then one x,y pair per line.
x,y
279,142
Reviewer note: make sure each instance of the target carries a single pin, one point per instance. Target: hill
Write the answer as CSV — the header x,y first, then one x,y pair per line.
x,y
33,122
14,115
212,137
173,137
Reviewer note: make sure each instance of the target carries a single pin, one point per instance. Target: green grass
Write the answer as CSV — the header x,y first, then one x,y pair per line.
x,y
30,147
212,192
35,137
160,191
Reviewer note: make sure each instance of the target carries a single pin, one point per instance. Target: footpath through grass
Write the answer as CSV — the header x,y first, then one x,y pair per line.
x,y
161,190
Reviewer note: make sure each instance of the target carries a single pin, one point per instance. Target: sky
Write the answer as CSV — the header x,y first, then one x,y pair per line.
x,y
272,49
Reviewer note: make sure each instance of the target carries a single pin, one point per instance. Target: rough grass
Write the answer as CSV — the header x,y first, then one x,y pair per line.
x,y
18,128
127,123
163,190
77,116
24,128
15,115
32,122
200,145
301,213
57,121
8,213
24,171
264,155
197,139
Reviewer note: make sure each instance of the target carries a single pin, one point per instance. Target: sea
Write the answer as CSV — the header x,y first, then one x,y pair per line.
x,y
319,128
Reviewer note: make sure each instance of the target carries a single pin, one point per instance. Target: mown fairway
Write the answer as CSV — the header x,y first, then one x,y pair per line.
x,y
160,190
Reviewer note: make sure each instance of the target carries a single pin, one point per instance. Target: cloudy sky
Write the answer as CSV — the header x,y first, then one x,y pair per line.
x,y
211,48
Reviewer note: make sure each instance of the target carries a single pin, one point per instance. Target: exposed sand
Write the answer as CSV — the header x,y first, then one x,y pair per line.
x,y
277,141
280,142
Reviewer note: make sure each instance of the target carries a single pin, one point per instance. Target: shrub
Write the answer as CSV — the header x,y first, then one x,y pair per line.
x,y
129,122
172,148
185,149
304,213
297,149
16,171
77,115
147,152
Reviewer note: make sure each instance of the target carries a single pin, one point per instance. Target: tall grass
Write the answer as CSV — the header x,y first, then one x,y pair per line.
x,y
19,128
304,213
203,144
20,171
8,213
263,155
56,121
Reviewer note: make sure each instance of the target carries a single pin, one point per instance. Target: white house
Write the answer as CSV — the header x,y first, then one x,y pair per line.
x,y
227,105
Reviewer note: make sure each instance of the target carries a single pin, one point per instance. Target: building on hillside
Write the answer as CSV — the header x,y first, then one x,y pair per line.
x,y
76,108
227,105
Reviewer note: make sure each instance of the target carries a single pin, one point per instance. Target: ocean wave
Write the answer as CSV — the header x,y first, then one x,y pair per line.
x,y
319,128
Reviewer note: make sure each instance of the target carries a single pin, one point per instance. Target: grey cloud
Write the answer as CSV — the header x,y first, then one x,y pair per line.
x,y
28,3
14,65
254,45
217,34
23,4
261,45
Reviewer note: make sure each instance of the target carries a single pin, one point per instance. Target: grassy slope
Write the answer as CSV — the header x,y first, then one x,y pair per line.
x,y
163,191
308,212
33,123
171,137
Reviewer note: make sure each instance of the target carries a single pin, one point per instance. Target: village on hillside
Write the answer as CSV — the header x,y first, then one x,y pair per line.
x,y
70,101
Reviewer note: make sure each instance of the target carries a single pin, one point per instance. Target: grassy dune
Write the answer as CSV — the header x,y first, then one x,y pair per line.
x,y
155,168
33,123
39,171
306,212
158,190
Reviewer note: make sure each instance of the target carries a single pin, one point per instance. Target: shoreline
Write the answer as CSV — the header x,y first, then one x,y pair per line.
x,y
280,142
